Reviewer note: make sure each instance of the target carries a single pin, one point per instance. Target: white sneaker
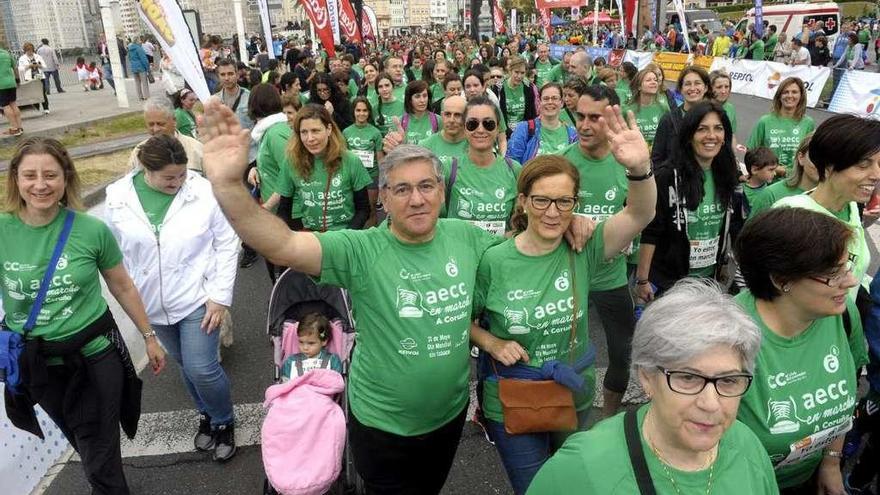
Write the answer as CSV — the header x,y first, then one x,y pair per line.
x,y
46,111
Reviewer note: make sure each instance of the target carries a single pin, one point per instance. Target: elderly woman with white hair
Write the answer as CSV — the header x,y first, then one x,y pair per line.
x,y
694,353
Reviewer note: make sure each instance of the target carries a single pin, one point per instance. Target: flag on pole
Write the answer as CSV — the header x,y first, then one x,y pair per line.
x,y
622,20
333,13
498,16
348,21
679,9
267,27
759,17
317,12
166,22
545,21
368,23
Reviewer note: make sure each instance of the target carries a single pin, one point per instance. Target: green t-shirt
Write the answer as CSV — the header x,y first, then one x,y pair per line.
x,y
558,74
782,135
417,73
566,118
543,72
399,91
804,391
553,142
271,157
437,92
387,110
624,92
516,104
484,196
74,298
648,118
155,203
704,230
409,374
419,128
314,198
757,50
365,141
530,299
770,46
730,110
858,245
770,195
8,66
186,123
603,193
597,461
864,36
445,150
752,193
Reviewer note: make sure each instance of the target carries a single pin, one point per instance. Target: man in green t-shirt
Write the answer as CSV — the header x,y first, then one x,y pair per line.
x,y
770,44
450,142
756,49
7,92
543,65
604,186
411,283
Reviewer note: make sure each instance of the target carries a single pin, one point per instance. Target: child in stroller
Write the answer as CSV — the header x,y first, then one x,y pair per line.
x,y
313,334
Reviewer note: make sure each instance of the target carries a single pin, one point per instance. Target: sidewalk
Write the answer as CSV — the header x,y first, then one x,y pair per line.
x,y
75,108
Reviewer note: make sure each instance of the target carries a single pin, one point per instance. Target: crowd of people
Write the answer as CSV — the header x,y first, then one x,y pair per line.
x,y
478,199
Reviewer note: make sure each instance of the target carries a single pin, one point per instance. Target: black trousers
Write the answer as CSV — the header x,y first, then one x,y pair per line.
x,y
93,428
615,308
396,465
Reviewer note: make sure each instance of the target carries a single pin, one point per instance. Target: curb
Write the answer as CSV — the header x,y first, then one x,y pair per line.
x,y
63,129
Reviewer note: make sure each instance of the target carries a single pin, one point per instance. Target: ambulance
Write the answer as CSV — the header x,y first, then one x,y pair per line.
x,y
790,18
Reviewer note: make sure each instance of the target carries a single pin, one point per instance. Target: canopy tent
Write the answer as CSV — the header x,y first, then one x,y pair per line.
x,y
604,18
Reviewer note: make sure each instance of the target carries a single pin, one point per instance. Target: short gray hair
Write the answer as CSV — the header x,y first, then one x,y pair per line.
x,y
406,153
159,105
688,320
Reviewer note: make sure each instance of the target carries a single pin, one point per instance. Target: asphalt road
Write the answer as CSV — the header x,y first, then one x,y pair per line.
x,y
161,461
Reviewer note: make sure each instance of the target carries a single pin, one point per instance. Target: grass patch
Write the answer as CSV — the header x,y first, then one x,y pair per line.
x,y
116,127
93,171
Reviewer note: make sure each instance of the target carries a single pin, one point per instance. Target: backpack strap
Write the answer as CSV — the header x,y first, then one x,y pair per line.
x,y
636,454
453,171
434,125
50,271
531,124
572,134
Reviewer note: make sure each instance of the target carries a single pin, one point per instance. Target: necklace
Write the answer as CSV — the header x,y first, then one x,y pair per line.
x,y
710,462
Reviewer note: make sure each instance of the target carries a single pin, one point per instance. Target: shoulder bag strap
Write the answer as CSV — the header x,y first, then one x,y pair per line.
x,y
636,454
576,299
50,271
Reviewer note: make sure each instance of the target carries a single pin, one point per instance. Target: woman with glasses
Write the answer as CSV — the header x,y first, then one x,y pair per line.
x,y
786,125
845,151
545,135
687,436
533,290
325,92
480,185
805,386
693,84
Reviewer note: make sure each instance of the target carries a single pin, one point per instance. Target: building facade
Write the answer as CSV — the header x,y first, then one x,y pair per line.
x,y
65,23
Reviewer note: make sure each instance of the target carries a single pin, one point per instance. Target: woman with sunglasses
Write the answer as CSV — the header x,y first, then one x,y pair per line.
x,y
687,434
475,83
693,84
533,289
546,134
845,150
805,388
325,92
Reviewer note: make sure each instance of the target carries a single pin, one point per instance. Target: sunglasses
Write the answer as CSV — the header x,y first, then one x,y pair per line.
x,y
472,124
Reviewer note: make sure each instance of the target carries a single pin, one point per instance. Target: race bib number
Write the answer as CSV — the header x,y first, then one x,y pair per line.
x,y
367,157
814,443
704,252
496,227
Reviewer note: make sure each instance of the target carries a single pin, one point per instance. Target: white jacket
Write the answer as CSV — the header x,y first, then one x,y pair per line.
x,y
193,258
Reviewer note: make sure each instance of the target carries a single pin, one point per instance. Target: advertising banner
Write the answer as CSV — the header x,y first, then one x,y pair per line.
x,y
858,92
545,21
333,13
267,27
759,17
166,22
317,12
557,4
763,78
370,26
673,63
498,16
348,21
639,59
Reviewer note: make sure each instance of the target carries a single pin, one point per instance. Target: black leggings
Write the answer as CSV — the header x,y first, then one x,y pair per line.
x,y
615,308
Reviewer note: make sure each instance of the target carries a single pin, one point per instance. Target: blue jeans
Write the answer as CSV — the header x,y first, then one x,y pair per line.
x,y
523,455
196,352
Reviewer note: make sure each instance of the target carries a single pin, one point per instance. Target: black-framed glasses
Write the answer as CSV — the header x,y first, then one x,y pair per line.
x,y
565,203
488,124
688,383
837,279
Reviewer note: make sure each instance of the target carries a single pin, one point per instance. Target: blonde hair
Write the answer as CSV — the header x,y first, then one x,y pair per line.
x,y
42,146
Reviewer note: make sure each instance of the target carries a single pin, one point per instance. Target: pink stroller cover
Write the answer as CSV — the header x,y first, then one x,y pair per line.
x,y
303,435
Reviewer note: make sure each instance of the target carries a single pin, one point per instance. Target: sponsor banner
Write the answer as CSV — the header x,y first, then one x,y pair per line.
x,y
317,12
858,92
759,17
639,59
545,21
679,9
348,21
631,18
557,4
333,13
267,27
498,16
370,26
622,19
673,63
513,20
557,51
166,22
762,79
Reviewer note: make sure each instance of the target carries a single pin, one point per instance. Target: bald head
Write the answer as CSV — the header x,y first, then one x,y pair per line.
x,y
581,64
453,116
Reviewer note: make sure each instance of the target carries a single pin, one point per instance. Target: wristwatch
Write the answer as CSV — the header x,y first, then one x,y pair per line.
x,y
833,453
151,333
636,178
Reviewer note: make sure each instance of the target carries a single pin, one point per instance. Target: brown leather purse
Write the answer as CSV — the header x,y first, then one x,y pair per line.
x,y
536,406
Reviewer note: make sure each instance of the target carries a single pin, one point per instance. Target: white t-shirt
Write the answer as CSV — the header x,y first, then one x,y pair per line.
x,y
802,56
148,48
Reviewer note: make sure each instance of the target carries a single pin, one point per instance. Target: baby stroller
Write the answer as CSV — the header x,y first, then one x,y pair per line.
x,y
294,296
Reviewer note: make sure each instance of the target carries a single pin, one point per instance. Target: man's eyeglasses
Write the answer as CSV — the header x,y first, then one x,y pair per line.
x,y
687,383
565,203
404,190
488,124
551,99
837,279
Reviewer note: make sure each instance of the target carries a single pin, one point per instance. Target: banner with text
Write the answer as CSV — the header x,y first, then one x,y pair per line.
x,y
267,27
762,78
166,22
317,12
348,21
858,92
498,16
369,26
673,63
545,21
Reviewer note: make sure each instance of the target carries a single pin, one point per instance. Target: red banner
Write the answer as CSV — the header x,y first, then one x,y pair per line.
x,y
317,12
367,23
629,11
498,16
545,21
558,4
348,21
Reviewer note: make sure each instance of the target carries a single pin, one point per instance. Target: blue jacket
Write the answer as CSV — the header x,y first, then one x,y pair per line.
x,y
522,148
137,59
872,334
